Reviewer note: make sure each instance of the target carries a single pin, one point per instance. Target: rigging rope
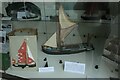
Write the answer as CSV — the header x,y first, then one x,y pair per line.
x,y
44,16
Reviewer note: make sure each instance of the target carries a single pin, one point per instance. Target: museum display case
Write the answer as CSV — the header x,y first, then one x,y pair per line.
x,y
71,38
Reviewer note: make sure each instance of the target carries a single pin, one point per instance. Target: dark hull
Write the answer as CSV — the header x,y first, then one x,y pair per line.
x,y
23,66
90,17
68,49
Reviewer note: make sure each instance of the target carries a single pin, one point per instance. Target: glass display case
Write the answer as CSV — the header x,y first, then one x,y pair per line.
x,y
85,25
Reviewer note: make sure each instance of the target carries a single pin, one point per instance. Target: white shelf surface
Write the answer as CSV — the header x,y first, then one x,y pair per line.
x,y
103,72
88,58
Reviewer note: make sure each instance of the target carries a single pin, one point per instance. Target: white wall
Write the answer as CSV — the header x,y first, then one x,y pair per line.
x,y
0,7
4,4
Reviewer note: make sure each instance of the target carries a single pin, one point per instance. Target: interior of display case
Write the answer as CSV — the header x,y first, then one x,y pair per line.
x,y
82,36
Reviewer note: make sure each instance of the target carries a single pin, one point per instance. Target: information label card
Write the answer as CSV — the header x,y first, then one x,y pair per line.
x,y
74,67
46,69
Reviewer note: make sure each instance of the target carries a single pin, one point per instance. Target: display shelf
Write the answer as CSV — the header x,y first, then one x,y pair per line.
x,y
103,72
95,21
53,60
6,18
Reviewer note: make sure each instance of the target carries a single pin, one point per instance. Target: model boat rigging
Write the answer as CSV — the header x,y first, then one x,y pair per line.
x,y
24,57
55,44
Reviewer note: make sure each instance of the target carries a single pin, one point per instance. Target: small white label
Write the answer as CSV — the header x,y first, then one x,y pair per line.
x,y
74,67
46,69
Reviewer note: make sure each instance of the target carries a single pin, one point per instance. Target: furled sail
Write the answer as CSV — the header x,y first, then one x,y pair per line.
x,y
52,41
66,26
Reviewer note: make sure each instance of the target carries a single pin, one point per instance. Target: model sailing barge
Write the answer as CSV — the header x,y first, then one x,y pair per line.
x,y
25,57
55,45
